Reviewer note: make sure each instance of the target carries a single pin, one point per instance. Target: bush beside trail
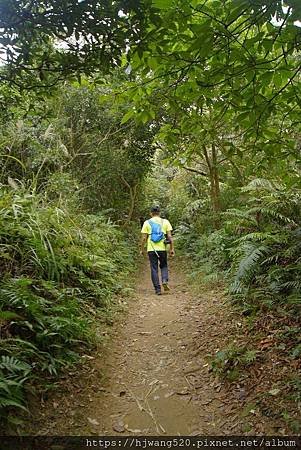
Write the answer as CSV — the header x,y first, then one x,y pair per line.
x,y
254,256
60,270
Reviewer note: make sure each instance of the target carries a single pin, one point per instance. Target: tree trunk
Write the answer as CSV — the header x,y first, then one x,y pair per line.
x,y
215,175
214,183
133,196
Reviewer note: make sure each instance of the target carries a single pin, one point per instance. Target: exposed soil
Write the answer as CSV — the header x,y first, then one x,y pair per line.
x,y
153,376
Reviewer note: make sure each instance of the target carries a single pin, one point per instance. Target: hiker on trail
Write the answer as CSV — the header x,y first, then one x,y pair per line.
x,y
157,232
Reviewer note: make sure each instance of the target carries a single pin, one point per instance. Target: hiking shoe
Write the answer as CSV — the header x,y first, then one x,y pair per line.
x,y
158,292
166,287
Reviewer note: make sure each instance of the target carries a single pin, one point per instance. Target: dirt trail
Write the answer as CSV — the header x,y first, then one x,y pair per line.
x,y
150,391
157,379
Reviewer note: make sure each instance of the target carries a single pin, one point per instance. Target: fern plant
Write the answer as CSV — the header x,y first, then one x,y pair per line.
x,y
13,374
230,360
266,257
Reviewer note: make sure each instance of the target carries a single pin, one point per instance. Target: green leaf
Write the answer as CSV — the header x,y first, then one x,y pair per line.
x,y
266,77
7,402
267,44
129,115
277,78
162,4
7,315
144,116
152,63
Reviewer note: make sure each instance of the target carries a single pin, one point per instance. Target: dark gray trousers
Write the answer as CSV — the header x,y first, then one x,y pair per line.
x,y
155,259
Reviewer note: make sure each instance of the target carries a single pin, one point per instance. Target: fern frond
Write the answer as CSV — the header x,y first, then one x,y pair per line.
x,y
249,265
12,364
263,184
270,212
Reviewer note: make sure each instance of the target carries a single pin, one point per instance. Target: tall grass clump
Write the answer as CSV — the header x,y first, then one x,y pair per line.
x,y
59,271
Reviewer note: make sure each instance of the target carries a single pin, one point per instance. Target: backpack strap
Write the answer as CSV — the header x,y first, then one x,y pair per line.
x,y
162,224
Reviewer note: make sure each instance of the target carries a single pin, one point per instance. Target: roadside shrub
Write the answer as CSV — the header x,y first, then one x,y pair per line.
x,y
58,271
257,248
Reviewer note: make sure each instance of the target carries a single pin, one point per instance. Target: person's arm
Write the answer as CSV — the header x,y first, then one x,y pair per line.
x,y
171,249
144,237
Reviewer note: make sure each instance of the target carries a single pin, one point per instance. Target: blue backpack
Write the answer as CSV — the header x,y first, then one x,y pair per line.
x,y
156,231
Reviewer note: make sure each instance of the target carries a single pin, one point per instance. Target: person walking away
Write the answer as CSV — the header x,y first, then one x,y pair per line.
x,y
157,233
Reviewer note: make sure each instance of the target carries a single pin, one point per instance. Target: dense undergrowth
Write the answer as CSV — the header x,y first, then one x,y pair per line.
x,y
255,255
59,272
257,248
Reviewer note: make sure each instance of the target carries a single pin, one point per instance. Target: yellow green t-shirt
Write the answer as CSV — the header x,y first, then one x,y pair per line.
x,y
147,229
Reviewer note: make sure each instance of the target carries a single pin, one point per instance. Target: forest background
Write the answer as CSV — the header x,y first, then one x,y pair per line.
x,y
108,108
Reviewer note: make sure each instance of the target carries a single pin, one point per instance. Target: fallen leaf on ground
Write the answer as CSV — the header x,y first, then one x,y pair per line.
x,y
93,421
184,392
169,394
133,431
119,426
274,391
